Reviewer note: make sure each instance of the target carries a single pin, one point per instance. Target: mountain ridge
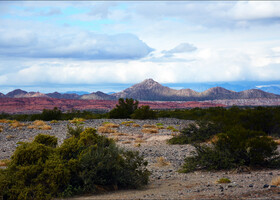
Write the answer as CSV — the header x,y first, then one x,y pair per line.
x,y
150,90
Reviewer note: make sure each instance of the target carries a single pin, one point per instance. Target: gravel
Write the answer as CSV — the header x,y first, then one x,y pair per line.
x,y
165,181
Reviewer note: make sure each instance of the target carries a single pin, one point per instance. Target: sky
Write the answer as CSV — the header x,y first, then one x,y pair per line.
x,y
93,45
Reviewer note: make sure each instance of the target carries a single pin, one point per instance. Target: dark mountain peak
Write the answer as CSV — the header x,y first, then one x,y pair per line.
x,y
16,93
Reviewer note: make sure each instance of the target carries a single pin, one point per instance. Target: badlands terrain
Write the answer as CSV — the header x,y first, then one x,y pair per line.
x,y
149,138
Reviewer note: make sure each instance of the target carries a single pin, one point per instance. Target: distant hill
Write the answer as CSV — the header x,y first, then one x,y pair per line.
x,y
150,90
271,89
98,96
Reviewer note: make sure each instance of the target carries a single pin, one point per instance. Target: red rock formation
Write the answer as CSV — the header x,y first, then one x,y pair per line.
x,y
37,104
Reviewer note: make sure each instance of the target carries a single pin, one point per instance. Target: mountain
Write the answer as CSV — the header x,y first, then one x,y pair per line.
x,y
98,96
16,93
271,89
58,95
256,93
2,95
151,90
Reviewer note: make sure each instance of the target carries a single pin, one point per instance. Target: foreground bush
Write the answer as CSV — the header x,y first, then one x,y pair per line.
x,y
84,163
235,148
200,131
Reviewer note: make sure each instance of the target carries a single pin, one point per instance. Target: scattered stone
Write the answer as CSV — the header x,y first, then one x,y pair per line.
x,y
265,186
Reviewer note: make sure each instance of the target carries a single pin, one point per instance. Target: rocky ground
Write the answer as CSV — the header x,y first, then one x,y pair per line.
x,y
164,161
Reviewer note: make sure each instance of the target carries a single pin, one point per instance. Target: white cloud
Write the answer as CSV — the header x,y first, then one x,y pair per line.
x,y
75,44
255,10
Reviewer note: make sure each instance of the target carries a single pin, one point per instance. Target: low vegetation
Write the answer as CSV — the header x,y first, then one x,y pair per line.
x,y
197,132
234,148
224,180
128,108
85,163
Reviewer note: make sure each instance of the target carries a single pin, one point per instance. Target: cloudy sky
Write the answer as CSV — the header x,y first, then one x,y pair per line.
x,y
62,46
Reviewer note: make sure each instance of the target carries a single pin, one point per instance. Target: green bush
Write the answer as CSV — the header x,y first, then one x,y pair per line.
x,y
47,140
144,112
124,109
84,163
54,114
199,131
237,147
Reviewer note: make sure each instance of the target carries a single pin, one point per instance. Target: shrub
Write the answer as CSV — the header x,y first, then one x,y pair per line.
x,y
200,131
47,140
124,109
237,147
74,131
84,163
223,180
54,114
144,112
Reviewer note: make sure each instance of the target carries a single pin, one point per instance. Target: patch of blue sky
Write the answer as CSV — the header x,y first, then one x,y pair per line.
x,y
74,10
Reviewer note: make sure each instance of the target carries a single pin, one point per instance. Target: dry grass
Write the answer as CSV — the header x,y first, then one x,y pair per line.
x,y
212,139
10,137
127,122
4,121
45,127
4,163
149,126
31,126
39,123
126,142
104,129
17,124
139,140
149,130
120,134
54,122
111,125
277,141
160,127
161,162
137,145
275,181
135,125
77,121
1,128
